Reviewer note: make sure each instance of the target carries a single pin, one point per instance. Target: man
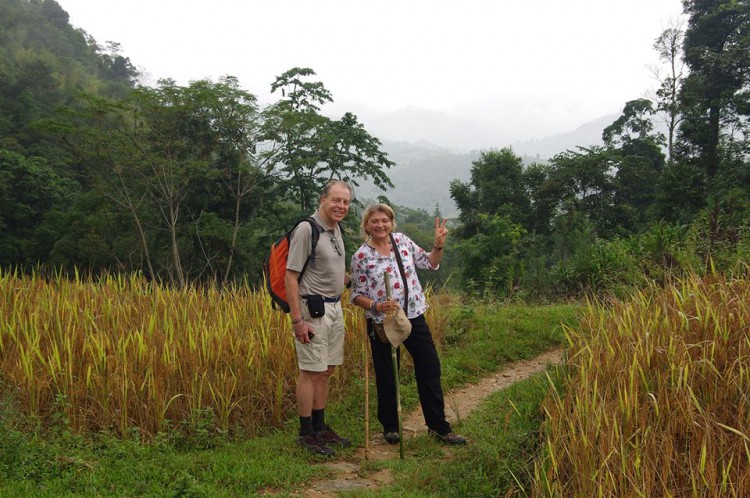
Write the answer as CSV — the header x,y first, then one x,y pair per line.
x,y
319,341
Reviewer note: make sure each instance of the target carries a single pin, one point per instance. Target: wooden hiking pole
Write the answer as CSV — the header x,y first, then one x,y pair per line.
x,y
367,400
394,359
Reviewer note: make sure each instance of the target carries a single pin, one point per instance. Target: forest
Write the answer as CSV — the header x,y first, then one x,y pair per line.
x,y
190,184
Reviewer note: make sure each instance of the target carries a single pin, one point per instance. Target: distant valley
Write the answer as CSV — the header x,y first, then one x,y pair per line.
x,y
431,149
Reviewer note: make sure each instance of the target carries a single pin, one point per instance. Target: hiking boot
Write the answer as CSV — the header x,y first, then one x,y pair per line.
x,y
326,435
450,438
391,437
311,444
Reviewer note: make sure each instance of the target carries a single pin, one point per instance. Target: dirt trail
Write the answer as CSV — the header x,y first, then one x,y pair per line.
x,y
458,406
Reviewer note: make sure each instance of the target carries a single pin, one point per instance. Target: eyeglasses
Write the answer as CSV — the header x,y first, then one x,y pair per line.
x,y
335,244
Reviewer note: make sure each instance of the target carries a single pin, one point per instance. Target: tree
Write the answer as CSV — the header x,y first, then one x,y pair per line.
x,y
30,191
178,159
44,63
495,208
543,205
582,182
496,188
633,130
715,97
307,149
351,153
236,122
491,256
669,47
638,161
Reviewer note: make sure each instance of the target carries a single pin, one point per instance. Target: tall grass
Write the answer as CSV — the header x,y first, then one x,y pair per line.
x,y
656,399
120,354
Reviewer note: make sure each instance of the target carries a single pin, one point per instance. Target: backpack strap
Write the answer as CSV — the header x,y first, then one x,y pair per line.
x,y
315,235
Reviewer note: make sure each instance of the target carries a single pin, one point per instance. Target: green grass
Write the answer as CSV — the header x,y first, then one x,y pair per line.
x,y
66,466
485,339
503,434
198,461
505,437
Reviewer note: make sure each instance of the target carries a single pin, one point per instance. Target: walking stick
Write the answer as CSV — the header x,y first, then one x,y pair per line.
x,y
394,360
367,400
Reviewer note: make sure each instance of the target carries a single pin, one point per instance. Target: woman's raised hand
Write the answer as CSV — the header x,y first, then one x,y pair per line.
x,y
441,232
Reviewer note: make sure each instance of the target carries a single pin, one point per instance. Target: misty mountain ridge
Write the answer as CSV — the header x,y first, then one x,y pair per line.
x,y
586,135
431,149
412,124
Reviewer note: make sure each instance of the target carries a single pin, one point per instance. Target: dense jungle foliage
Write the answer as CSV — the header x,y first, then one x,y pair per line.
x,y
190,184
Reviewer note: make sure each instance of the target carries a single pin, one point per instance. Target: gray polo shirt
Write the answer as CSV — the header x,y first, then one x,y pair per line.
x,y
325,275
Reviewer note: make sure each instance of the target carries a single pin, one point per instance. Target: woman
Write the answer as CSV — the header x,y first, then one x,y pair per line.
x,y
375,257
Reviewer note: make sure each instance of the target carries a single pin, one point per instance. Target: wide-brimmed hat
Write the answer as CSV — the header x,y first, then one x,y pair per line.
x,y
397,327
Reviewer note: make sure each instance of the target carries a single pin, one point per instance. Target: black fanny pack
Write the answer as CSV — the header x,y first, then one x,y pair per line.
x,y
316,304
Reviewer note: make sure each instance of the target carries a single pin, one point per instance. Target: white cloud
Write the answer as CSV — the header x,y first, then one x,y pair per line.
x,y
546,65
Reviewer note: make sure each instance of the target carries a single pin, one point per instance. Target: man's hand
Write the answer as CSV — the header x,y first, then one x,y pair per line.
x,y
303,331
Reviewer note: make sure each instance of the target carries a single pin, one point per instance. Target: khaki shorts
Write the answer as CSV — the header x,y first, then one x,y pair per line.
x,y
327,347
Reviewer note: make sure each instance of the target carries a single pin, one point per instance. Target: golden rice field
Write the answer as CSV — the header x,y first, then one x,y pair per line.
x,y
656,397
122,353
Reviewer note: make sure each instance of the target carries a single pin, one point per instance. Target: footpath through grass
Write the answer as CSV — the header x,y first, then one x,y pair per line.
x,y
504,441
198,460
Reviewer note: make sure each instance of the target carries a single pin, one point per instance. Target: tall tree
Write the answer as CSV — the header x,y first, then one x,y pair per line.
x,y
496,188
308,149
715,96
30,191
543,205
581,183
351,153
669,46
179,157
638,161
236,124
633,132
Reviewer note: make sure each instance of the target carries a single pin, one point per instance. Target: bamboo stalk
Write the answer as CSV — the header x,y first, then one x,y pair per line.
x,y
367,399
394,360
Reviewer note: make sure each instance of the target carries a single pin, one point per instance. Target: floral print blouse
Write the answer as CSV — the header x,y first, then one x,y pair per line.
x,y
368,267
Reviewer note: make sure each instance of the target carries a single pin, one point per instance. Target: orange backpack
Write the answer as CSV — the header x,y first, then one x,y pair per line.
x,y
274,268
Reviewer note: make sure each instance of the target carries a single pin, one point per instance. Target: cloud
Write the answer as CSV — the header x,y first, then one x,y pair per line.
x,y
533,67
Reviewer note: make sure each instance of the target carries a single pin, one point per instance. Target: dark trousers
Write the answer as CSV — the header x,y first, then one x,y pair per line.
x,y
426,371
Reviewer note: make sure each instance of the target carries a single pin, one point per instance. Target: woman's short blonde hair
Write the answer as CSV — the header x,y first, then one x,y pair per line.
x,y
370,211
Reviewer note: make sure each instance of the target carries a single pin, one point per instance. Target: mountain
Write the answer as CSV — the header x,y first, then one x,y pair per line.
x,y
422,176
586,135
411,124
449,132
424,170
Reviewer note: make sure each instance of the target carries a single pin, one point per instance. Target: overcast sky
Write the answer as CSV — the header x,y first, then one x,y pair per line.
x,y
539,67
